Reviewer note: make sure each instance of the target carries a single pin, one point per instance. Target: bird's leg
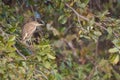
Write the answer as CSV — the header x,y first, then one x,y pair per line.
x,y
30,42
26,43
31,46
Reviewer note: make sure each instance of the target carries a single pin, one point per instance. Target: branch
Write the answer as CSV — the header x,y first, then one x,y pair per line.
x,y
40,72
77,13
19,52
82,17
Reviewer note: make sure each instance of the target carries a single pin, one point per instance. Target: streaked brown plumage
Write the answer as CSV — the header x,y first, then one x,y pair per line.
x,y
28,30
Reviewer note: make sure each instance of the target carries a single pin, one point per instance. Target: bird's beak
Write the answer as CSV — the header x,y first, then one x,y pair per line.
x,y
40,25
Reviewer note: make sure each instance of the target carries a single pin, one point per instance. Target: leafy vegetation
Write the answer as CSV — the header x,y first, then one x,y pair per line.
x,y
80,40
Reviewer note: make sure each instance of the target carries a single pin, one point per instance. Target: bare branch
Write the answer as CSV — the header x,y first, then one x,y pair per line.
x,y
77,13
82,17
19,52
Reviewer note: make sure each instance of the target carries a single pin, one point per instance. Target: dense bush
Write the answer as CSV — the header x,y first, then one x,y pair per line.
x,y
78,42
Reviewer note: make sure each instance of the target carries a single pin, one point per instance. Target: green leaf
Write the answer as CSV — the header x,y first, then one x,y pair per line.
x,y
115,58
11,38
62,19
98,33
113,50
47,64
50,56
109,30
1,38
116,42
12,29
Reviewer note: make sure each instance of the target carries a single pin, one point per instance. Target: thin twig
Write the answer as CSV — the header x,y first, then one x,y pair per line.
x,y
77,13
69,43
98,24
19,52
96,49
66,31
41,73
33,12
13,45
82,17
95,64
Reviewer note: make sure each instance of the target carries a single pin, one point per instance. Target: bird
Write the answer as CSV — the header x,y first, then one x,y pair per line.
x,y
28,29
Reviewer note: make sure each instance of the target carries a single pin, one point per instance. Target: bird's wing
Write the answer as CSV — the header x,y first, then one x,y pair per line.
x,y
24,36
28,30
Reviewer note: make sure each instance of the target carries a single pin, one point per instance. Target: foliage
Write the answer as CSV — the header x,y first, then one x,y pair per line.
x,y
78,42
